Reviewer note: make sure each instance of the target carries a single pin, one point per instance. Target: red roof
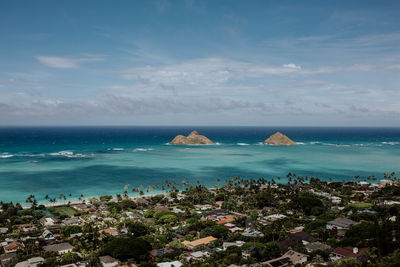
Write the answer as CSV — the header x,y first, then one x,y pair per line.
x,y
348,252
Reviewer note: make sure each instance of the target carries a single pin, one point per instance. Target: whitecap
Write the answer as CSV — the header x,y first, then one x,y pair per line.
x,y
242,144
300,143
65,153
6,156
142,149
117,149
69,154
315,142
390,143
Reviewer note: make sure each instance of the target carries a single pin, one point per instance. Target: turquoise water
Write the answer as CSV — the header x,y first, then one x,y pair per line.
x,y
101,160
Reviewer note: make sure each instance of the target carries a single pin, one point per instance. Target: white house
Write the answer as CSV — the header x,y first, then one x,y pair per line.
x,y
170,264
108,261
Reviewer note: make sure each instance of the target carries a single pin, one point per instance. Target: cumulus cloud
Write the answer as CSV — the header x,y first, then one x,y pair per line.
x,y
65,62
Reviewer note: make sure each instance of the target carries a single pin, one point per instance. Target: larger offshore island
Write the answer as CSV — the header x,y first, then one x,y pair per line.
x,y
252,222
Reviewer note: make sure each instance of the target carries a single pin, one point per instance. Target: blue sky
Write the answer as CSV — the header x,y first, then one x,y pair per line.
x,y
200,63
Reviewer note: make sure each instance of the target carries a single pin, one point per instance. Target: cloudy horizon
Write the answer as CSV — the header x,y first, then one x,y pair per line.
x,y
266,63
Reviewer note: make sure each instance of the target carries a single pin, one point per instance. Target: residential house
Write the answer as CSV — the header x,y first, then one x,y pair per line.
x,y
32,262
226,245
288,259
274,217
61,248
300,237
81,207
340,224
160,252
47,235
170,264
142,201
225,219
47,221
347,252
253,233
160,208
72,221
4,259
199,242
197,255
110,231
108,261
315,246
233,228
29,227
3,230
14,247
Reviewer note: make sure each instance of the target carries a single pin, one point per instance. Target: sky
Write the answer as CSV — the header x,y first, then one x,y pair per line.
x,y
267,63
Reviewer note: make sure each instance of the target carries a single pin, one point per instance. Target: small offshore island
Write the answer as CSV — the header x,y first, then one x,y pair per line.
x,y
279,139
254,222
194,138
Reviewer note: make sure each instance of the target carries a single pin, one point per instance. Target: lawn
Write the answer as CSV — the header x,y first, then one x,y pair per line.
x,y
63,211
361,205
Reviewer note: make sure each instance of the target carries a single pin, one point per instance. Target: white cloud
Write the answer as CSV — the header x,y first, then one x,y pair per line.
x,y
291,66
66,62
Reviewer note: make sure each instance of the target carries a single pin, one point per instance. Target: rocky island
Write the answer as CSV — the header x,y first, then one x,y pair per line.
x,y
194,138
279,139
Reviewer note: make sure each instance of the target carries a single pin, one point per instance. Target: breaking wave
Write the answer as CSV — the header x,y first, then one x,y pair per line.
x,y
242,144
142,149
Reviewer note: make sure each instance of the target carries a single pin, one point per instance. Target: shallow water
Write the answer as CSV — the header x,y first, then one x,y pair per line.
x,y
101,160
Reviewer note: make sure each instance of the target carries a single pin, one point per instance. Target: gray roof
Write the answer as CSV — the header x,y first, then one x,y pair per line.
x,y
107,259
317,246
342,222
58,247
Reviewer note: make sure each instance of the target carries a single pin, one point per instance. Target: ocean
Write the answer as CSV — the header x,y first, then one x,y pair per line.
x,y
101,160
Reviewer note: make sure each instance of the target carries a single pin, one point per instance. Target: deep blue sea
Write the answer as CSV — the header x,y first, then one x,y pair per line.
x,y
102,160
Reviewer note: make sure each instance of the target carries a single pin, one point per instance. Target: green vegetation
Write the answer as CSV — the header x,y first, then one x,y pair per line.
x,y
360,205
126,248
63,211
278,217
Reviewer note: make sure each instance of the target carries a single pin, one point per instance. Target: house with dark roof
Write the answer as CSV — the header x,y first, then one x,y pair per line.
x,y
300,237
160,252
340,224
348,252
